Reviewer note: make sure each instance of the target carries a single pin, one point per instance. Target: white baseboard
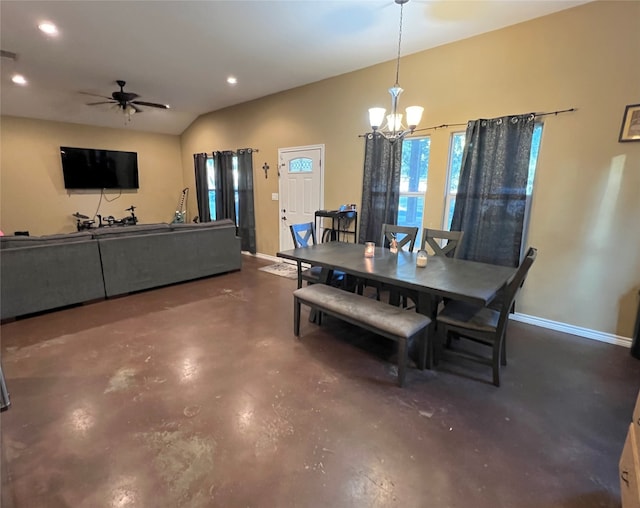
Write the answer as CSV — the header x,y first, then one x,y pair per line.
x,y
263,256
579,331
274,259
586,333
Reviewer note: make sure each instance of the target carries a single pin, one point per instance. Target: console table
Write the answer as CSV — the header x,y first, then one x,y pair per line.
x,y
340,225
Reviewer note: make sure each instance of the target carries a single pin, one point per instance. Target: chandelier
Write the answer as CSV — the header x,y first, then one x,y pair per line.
x,y
394,128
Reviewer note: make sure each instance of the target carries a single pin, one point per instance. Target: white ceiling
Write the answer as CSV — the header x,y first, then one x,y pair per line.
x,y
181,52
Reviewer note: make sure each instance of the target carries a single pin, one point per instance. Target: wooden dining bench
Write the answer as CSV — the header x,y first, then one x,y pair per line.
x,y
378,317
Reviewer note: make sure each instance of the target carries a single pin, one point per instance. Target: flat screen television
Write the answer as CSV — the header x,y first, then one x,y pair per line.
x,y
89,168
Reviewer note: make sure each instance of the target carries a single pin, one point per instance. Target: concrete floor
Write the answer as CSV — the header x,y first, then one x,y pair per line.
x,y
198,395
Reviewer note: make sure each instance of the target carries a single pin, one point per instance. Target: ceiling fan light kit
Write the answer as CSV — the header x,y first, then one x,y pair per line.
x,y
394,128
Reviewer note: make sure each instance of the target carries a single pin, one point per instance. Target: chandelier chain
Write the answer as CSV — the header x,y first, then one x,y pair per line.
x,y
399,43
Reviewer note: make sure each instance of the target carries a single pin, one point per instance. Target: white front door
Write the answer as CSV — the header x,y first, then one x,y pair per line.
x,y
301,187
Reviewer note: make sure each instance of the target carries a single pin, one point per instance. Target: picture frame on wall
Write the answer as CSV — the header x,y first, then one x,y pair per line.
x,y
630,129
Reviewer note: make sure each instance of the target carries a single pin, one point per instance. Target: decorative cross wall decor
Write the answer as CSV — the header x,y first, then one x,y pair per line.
x,y
266,169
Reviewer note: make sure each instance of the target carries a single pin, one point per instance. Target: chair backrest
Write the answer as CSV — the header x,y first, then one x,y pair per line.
x,y
404,235
508,293
303,234
432,237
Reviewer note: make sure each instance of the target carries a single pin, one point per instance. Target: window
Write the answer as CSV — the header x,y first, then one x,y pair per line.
x,y
455,163
212,187
413,182
235,189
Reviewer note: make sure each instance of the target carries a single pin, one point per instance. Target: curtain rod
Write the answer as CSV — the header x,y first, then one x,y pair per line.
x,y
556,113
570,110
446,125
232,151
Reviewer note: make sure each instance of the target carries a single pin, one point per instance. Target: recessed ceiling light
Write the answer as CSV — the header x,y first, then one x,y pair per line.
x,y
48,28
232,80
19,79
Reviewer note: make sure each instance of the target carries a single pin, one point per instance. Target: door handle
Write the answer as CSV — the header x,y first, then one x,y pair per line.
x,y
284,218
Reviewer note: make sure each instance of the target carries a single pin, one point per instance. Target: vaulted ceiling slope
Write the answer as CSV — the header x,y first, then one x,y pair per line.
x,y
181,52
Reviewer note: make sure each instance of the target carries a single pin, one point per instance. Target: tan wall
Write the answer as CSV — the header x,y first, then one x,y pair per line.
x,y
586,198
586,203
32,192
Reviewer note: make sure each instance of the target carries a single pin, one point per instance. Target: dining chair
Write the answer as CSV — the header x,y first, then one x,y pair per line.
x,y
404,235
482,324
432,237
304,235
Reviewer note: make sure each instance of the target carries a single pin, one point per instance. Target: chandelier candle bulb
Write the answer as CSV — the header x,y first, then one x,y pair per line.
x,y
369,249
376,117
394,122
414,115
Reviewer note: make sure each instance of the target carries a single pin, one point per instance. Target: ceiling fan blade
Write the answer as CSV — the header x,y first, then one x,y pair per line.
x,y
101,102
95,95
150,104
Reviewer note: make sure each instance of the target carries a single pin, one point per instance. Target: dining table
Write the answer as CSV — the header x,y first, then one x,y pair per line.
x,y
441,278
456,279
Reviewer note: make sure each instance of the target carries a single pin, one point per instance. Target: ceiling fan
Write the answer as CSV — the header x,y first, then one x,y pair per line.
x,y
125,101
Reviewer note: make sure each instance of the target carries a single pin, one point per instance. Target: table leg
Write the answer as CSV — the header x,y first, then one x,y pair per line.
x,y
325,277
427,305
299,274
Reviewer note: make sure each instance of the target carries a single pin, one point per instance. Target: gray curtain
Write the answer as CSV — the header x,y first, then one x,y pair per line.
x,y
225,194
380,186
491,199
246,211
202,186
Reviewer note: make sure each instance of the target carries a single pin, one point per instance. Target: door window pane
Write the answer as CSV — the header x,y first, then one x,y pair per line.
x,y
301,165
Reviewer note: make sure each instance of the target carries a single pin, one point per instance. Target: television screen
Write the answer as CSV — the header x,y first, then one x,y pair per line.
x,y
88,168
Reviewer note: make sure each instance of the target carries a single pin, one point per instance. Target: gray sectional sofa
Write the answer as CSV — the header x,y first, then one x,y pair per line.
x,y
42,273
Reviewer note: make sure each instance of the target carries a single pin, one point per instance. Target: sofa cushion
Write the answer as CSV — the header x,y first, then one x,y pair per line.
x,y
137,262
138,229
11,242
202,225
